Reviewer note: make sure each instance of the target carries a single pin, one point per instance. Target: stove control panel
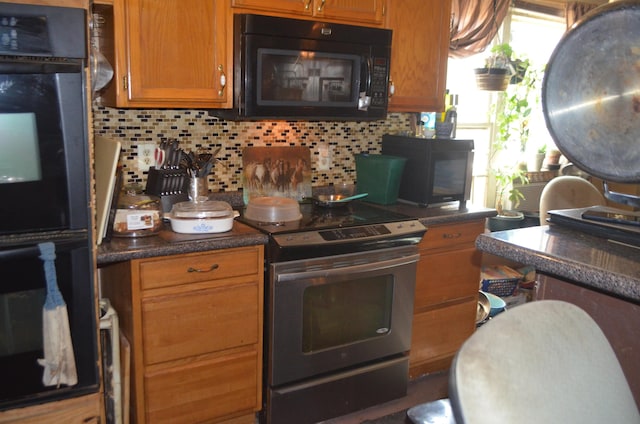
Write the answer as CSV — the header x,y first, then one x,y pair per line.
x,y
349,234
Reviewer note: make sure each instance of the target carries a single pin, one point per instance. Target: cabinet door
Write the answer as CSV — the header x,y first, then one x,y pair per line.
x,y
357,11
203,390
447,276
350,11
437,335
293,7
202,321
419,54
176,53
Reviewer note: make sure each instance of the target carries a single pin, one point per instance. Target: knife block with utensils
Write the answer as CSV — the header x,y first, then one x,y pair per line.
x,y
171,184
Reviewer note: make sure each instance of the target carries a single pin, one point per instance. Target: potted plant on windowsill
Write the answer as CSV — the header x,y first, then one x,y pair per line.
x,y
508,199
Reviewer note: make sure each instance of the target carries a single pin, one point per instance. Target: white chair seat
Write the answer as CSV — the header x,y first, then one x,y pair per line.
x,y
542,362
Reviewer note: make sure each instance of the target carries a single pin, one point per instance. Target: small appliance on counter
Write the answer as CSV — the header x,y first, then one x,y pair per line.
x,y
437,171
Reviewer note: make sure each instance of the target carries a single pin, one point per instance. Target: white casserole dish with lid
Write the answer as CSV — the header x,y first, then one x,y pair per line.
x,y
209,216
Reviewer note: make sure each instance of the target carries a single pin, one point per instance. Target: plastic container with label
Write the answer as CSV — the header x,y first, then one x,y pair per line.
x,y
137,214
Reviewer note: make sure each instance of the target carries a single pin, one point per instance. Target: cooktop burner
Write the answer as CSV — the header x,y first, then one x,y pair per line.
x,y
322,231
318,218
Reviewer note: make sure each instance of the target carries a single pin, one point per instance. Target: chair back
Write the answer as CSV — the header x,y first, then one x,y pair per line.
x,y
568,192
542,362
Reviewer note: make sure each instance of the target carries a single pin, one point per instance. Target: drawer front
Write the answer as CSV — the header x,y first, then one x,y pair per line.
x,y
202,321
185,269
203,391
447,276
452,234
441,332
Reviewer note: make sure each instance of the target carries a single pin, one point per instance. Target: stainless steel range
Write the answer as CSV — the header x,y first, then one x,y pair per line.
x,y
339,306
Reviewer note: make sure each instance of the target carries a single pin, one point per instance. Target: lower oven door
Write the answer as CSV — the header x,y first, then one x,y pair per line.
x,y
333,313
23,291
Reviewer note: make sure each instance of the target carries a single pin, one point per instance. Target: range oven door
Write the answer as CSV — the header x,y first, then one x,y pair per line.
x,y
334,313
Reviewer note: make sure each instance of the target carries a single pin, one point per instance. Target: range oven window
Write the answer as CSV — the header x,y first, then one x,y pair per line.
x,y
289,77
336,314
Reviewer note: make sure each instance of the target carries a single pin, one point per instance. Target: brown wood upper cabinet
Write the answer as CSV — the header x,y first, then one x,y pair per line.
x,y
170,53
363,12
419,54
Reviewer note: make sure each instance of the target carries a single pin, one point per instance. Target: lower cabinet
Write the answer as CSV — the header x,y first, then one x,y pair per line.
x,y
81,410
446,298
194,322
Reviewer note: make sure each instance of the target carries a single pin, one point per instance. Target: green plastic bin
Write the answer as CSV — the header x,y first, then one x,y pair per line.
x,y
379,175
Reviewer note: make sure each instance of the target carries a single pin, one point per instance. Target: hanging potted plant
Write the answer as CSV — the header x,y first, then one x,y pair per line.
x,y
497,70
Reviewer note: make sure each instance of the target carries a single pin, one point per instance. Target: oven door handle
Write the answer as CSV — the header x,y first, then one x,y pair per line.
x,y
332,272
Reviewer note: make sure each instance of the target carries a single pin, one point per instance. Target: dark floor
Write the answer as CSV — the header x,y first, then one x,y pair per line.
x,y
424,389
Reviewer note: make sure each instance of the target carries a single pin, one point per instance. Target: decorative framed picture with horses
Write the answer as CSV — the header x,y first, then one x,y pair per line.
x,y
283,171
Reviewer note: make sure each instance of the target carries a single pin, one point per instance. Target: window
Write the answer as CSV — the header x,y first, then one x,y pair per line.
x,y
532,35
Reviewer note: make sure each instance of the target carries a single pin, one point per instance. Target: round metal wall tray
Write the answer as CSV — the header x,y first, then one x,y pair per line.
x,y
591,93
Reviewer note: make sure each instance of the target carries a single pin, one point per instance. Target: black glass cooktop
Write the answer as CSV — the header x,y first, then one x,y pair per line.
x,y
317,218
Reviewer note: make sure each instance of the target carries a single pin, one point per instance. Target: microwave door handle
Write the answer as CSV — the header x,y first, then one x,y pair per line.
x,y
369,73
364,100
333,272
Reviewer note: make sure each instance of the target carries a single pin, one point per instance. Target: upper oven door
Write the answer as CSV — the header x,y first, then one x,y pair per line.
x,y
43,165
313,69
335,312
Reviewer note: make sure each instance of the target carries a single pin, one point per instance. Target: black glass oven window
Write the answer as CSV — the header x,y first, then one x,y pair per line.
x,y
22,298
449,176
33,166
346,312
304,78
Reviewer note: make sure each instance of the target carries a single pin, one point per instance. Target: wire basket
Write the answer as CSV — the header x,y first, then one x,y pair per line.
x,y
500,280
502,288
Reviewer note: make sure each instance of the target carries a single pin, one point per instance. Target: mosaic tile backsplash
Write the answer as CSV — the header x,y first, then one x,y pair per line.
x,y
197,131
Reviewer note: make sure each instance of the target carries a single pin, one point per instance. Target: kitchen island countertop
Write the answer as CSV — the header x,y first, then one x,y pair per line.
x,y
169,243
594,262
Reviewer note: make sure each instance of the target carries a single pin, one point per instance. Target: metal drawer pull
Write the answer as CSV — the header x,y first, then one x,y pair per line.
x,y
451,236
214,266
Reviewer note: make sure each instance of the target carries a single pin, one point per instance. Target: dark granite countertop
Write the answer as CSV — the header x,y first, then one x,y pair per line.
x,y
171,243
168,242
571,255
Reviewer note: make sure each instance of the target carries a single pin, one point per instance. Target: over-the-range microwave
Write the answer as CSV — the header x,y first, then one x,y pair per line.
x,y
437,170
298,69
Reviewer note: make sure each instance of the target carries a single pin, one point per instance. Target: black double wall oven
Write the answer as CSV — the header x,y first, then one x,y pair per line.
x,y
44,186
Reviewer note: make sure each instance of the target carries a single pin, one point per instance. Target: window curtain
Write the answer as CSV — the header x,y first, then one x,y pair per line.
x,y
575,10
474,23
